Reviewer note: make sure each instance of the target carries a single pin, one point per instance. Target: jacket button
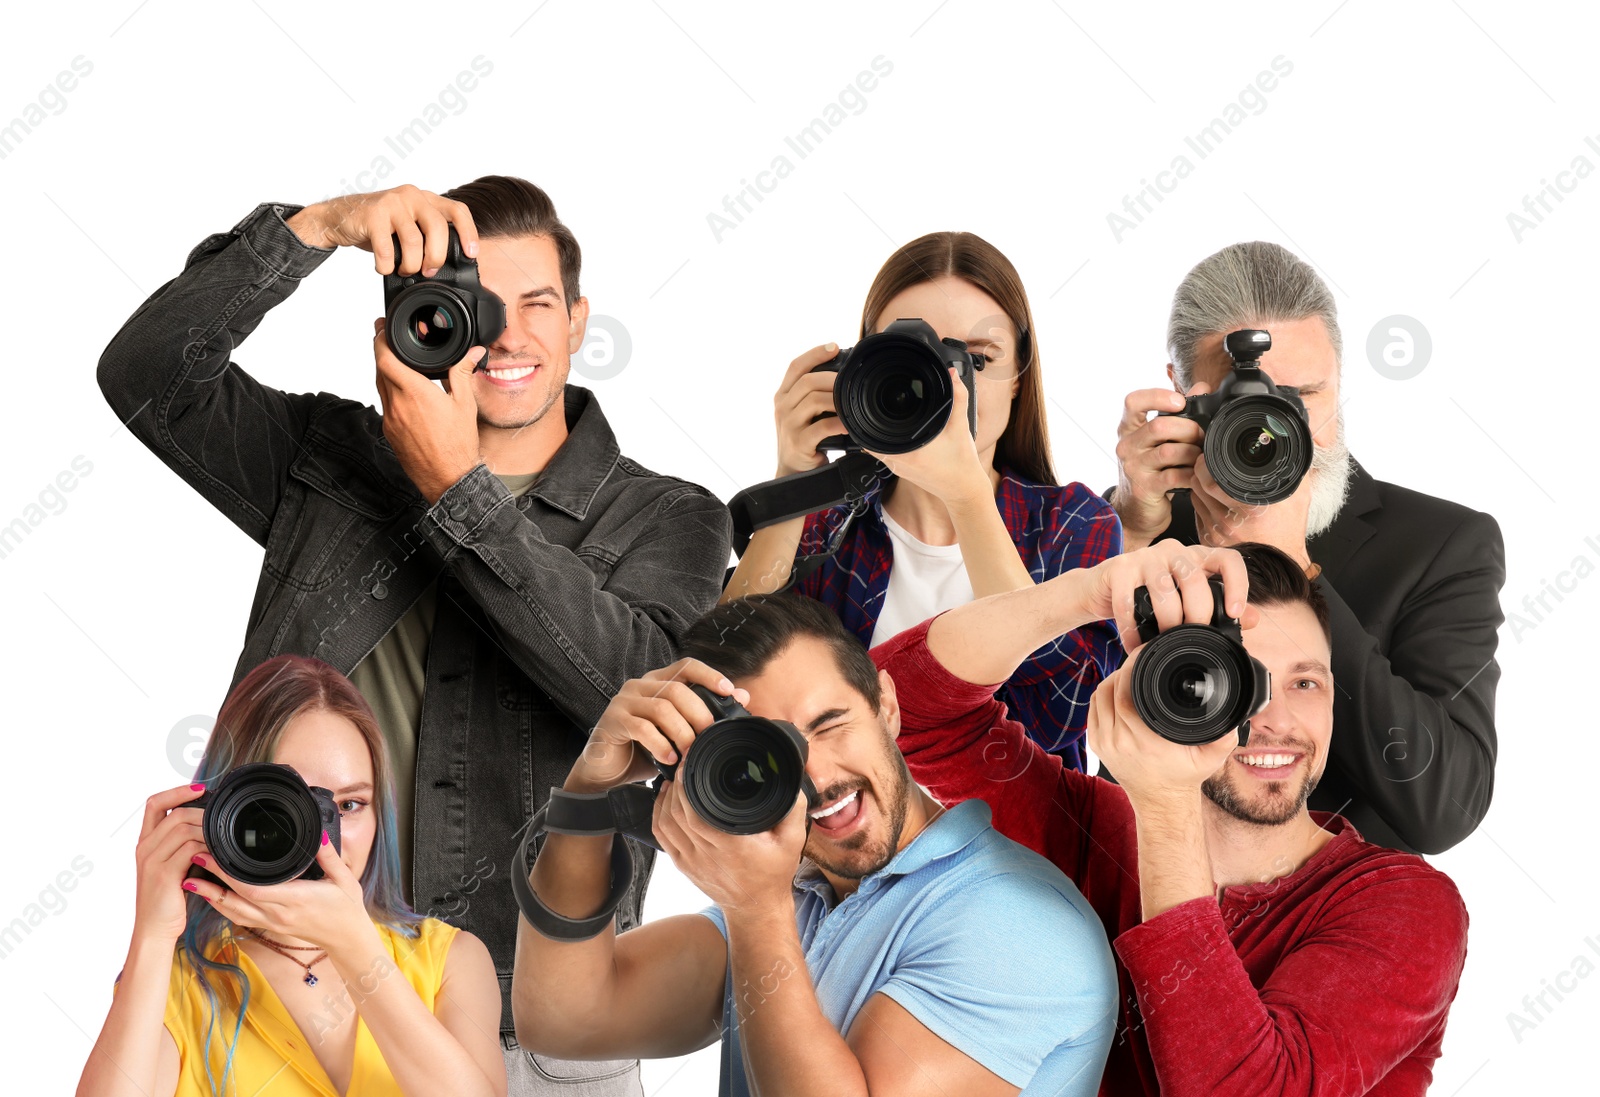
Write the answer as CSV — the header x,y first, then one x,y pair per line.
x,y
380,591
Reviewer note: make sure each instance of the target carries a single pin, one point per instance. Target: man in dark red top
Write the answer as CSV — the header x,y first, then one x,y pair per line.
x,y
1262,948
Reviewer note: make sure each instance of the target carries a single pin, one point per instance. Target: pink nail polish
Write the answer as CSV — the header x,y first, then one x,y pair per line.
x,y
198,860
197,786
324,837
189,885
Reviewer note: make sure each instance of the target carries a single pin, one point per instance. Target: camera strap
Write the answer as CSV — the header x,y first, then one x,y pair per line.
x,y
623,812
850,479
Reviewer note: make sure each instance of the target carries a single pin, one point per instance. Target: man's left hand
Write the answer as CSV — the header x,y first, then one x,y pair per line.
x,y
740,873
1221,519
434,431
1149,768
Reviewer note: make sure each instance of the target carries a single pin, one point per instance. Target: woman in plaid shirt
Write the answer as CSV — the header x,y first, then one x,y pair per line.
x,y
962,517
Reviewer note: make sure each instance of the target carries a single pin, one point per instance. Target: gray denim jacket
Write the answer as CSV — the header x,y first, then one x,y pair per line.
x,y
547,603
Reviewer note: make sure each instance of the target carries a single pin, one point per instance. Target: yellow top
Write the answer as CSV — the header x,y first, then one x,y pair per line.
x,y
274,1058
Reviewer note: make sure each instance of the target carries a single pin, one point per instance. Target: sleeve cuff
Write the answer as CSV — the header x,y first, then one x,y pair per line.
x,y
465,507
1186,932
266,232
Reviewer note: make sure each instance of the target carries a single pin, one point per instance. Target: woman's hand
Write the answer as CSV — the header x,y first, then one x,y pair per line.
x,y
948,467
801,398
330,913
170,836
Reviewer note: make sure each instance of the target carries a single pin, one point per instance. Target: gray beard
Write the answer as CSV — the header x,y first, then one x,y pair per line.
x,y
1331,473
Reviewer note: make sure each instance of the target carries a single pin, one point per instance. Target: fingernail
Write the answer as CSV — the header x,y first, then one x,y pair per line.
x,y
197,786
725,686
472,249
189,885
833,347
199,860
430,272
672,757
324,837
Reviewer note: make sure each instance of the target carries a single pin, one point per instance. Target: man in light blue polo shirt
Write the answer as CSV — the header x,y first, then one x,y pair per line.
x,y
881,945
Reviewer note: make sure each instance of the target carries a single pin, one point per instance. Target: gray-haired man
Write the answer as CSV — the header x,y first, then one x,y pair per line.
x,y
1412,581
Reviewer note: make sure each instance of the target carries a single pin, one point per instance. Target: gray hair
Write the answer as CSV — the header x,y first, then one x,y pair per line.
x,y
1240,286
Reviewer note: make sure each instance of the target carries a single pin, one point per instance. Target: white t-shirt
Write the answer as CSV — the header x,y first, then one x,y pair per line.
x,y
924,580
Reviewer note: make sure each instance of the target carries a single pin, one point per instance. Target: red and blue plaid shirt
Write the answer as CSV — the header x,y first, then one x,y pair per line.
x,y
1056,529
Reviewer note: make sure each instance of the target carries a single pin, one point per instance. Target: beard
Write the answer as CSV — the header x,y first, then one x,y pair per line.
x,y
517,416
1273,810
864,856
1331,472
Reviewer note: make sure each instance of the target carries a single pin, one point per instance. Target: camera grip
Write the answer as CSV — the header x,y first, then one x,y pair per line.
x,y
1144,616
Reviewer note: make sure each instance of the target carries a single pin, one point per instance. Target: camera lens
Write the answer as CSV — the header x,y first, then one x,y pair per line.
x,y
894,393
263,824
1258,450
1192,684
742,775
430,327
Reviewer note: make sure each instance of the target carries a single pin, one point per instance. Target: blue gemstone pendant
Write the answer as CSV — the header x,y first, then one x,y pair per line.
x,y
311,980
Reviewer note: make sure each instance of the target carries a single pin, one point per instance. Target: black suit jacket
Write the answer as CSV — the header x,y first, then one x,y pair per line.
x,y
1413,588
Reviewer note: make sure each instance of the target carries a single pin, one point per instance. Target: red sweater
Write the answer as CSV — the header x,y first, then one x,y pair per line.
x,y
1334,979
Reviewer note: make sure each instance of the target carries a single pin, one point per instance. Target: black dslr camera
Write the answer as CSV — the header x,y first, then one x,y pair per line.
x,y
433,322
743,772
893,391
263,824
1258,435
1193,684
894,395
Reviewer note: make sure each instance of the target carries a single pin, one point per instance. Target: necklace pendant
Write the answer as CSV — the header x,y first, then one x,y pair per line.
x,y
311,980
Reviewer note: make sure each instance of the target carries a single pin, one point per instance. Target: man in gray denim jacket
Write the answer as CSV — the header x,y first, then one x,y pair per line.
x,y
487,570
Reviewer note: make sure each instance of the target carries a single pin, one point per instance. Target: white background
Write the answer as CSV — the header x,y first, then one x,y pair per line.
x,y
1390,158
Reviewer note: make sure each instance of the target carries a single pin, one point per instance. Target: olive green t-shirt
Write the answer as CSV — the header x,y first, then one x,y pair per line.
x,y
391,678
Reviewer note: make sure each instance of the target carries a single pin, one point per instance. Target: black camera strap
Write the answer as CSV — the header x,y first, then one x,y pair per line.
x,y
623,812
851,479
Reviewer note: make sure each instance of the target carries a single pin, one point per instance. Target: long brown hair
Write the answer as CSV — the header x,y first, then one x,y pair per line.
x,y
1024,445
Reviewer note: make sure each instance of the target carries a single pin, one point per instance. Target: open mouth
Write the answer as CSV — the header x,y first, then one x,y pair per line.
x,y
840,816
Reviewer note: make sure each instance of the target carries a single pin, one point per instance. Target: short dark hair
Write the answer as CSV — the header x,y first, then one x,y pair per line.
x,y
503,205
1276,580
740,638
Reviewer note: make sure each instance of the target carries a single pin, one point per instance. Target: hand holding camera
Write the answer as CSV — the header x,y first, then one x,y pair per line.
x,y
416,220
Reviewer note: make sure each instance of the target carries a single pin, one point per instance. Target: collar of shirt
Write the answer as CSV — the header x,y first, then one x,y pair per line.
x,y
949,834
1343,831
573,477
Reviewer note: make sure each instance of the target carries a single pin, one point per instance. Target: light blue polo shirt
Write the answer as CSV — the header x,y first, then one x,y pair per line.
x,y
982,940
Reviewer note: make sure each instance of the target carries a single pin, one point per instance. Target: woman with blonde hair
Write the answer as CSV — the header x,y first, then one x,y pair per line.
x,y
324,986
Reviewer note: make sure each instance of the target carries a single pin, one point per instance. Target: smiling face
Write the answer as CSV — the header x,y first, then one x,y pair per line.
x,y
1268,781
328,751
957,309
528,363
865,788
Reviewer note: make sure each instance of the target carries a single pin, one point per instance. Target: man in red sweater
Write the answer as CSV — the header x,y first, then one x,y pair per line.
x,y
1262,948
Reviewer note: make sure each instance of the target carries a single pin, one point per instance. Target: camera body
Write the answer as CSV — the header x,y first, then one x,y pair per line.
x,y
743,772
1193,684
1257,434
893,392
432,322
263,824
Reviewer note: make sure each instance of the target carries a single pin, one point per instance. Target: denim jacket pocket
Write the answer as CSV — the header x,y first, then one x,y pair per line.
x,y
332,508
